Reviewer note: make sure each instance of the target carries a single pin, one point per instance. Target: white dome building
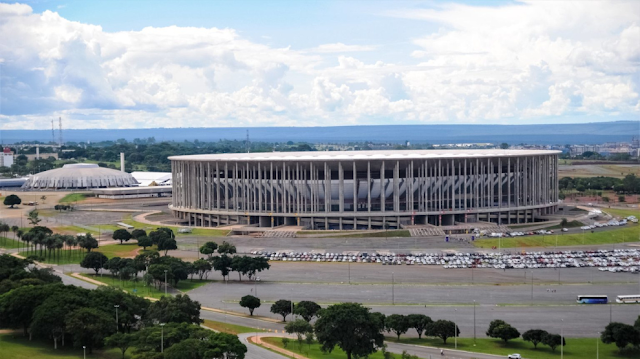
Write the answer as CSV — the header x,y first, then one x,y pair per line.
x,y
80,175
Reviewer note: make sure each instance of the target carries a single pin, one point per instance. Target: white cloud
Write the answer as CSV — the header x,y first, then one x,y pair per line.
x,y
526,61
340,48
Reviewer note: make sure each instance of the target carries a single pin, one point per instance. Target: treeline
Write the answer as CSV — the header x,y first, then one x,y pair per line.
x,y
47,310
630,184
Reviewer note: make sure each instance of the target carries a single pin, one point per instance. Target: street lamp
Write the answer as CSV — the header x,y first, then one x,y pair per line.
x,y
84,351
165,282
598,346
162,338
455,331
562,339
474,322
116,306
393,294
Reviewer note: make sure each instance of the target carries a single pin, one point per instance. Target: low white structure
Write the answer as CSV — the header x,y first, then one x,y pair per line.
x,y
133,192
148,178
80,175
6,159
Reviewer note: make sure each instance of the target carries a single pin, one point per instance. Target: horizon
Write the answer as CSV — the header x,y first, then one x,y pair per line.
x,y
144,65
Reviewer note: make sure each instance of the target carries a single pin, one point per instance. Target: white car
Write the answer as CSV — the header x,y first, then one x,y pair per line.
x,y
514,356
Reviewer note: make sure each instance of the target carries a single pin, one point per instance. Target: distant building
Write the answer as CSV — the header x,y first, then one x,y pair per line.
x,y
80,175
6,160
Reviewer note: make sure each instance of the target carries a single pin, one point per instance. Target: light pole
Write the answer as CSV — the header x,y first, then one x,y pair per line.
x,y
474,322
393,294
84,351
116,306
598,346
455,330
562,339
162,337
165,282
349,264
531,287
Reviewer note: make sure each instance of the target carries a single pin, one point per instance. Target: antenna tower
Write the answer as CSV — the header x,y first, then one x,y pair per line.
x,y
53,134
60,130
247,143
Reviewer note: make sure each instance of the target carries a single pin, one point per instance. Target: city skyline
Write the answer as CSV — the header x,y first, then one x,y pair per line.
x,y
236,64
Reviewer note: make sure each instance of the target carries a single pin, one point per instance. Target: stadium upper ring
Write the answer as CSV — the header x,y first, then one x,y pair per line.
x,y
365,189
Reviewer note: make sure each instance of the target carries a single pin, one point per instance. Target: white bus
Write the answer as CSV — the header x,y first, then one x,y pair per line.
x,y
634,298
592,299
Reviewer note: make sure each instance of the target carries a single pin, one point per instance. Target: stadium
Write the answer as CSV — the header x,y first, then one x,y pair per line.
x,y
365,189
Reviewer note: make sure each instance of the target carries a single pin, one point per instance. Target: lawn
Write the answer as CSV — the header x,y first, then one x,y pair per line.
x,y
73,197
313,351
9,243
126,250
204,232
141,289
627,233
73,256
230,328
15,346
576,348
75,230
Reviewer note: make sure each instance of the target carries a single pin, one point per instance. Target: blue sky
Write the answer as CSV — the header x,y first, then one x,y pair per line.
x,y
135,64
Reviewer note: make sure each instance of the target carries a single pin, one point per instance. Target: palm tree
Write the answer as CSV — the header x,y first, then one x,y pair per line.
x,y
15,229
28,237
19,234
59,244
71,242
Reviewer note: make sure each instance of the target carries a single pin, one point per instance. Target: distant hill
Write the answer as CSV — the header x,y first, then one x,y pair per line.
x,y
584,133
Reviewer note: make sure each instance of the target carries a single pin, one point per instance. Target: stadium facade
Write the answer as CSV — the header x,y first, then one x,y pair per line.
x,y
365,189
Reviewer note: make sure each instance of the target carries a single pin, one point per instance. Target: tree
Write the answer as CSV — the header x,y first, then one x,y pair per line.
x,y
12,200
121,235
94,260
621,334
443,329
494,324
209,249
534,336
505,332
307,309
563,222
33,217
87,242
553,340
49,317
167,244
300,328
144,242
281,307
397,323
419,322
137,233
226,248
202,267
18,305
222,264
178,309
122,341
250,302
89,327
504,145
351,327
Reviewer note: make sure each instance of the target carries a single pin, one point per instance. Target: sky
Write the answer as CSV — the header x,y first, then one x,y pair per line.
x,y
145,64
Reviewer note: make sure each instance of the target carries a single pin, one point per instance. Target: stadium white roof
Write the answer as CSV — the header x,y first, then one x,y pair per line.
x,y
146,178
80,175
362,155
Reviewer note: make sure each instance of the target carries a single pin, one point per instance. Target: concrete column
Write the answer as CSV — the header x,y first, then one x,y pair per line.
x,y
340,189
396,185
369,190
327,189
355,190
382,184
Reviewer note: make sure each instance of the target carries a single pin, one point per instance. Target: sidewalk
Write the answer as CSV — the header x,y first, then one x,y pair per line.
x,y
258,341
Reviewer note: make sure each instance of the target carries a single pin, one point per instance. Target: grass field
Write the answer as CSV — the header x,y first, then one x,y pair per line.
x,y
75,230
628,233
9,243
143,290
73,256
314,351
576,348
18,347
594,170
126,250
73,197
194,232
230,328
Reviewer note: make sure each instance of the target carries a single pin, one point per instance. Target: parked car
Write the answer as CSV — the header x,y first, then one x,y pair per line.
x,y
514,356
